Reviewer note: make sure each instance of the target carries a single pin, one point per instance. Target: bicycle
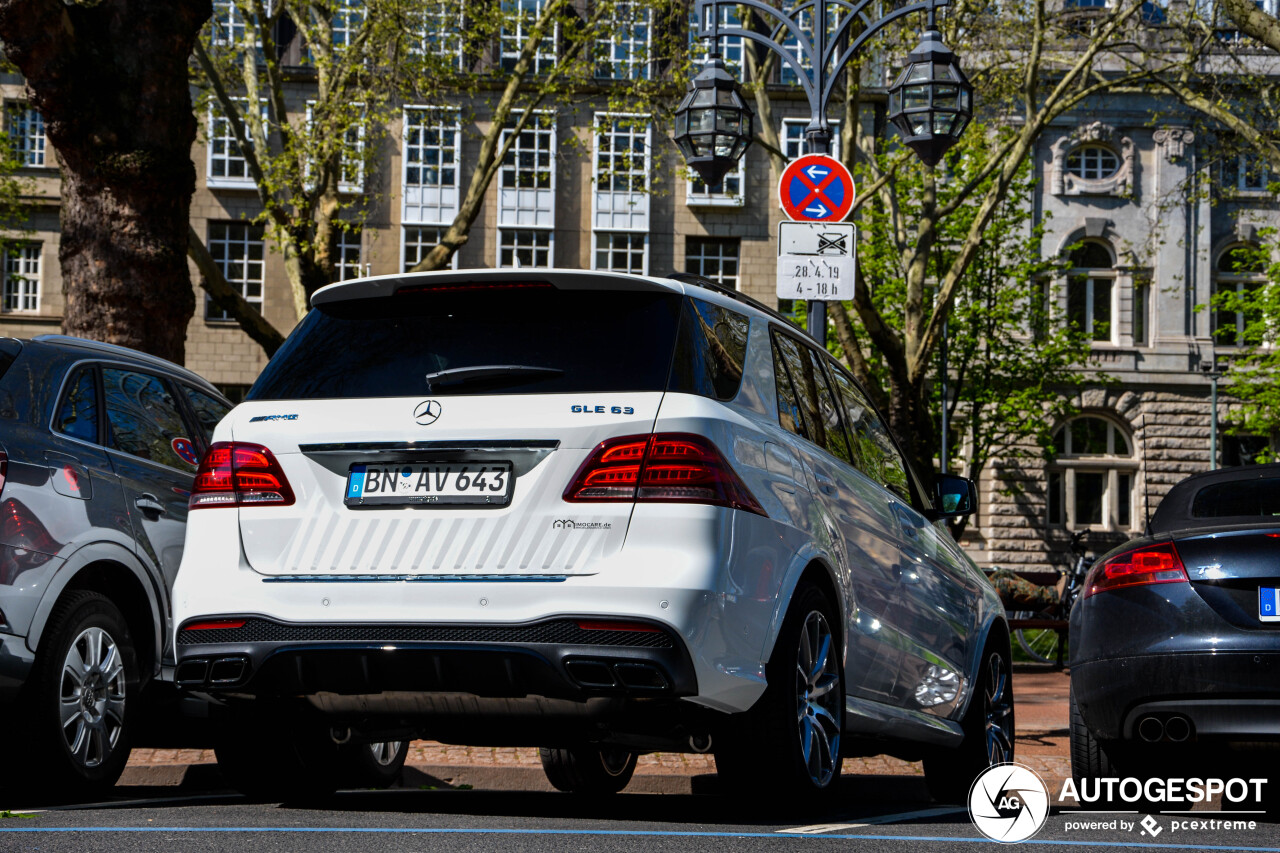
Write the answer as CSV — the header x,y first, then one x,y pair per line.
x,y
1041,644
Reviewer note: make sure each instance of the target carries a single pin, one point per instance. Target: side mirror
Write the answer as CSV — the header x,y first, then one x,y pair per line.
x,y
954,496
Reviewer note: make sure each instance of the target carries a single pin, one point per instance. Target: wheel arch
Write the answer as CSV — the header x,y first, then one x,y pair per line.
x,y
820,573
113,572
996,627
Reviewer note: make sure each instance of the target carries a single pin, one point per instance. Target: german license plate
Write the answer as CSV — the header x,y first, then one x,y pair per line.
x,y
1269,603
429,484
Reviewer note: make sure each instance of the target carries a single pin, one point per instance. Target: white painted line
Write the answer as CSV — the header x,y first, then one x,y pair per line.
x,y
819,828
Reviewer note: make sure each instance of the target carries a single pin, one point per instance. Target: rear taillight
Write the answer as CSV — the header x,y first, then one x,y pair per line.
x,y
1144,566
214,625
236,473
661,468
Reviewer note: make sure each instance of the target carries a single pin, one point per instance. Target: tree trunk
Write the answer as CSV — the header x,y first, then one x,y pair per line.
x,y
111,81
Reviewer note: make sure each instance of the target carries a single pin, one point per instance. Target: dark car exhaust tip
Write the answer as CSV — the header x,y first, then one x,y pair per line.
x,y
1177,728
1151,729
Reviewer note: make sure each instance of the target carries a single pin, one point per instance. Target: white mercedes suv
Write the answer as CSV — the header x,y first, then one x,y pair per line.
x,y
595,513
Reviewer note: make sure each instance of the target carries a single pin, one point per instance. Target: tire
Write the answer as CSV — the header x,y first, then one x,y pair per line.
x,y
79,706
1089,758
988,729
270,756
788,743
588,770
1039,644
373,765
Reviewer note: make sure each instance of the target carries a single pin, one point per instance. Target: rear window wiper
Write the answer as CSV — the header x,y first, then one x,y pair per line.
x,y
482,372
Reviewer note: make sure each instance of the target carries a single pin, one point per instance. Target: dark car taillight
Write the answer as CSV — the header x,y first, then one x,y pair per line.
x,y
661,468
1151,564
237,473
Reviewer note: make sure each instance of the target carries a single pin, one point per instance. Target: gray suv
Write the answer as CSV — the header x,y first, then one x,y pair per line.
x,y
99,446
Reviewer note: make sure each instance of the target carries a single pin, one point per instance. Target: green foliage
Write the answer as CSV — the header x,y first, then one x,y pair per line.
x,y
1254,374
1012,367
14,189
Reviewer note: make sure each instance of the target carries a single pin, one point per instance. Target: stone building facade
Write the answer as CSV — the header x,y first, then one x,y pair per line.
x,y
1141,193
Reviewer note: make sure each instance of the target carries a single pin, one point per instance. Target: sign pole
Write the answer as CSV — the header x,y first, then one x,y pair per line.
x,y
816,313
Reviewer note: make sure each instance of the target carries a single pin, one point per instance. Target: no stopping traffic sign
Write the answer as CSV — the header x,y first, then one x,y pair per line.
x,y
816,188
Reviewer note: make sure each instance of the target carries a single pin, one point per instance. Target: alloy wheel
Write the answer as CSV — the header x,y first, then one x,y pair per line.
x,y
91,697
818,709
384,752
998,704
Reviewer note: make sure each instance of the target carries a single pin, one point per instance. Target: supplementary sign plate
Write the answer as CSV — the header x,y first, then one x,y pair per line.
x,y
816,260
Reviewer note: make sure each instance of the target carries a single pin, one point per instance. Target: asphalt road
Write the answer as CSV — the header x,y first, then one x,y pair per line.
x,y
888,814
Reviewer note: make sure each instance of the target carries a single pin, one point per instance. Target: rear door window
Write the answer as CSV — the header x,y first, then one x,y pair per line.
x,y
78,413
789,415
144,420
208,410
810,385
458,339
872,450
710,351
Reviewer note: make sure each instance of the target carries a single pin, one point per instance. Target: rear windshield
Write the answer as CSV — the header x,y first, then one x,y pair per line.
x,y
1241,499
538,340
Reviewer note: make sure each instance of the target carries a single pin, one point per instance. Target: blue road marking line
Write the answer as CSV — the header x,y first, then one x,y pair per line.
x,y
629,832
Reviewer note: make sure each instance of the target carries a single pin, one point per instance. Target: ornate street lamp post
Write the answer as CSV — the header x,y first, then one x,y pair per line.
x,y
930,103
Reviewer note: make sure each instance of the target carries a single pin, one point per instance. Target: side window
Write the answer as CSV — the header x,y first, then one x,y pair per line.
x,y
144,419
802,370
788,408
209,410
837,443
711,350
78,414
873,451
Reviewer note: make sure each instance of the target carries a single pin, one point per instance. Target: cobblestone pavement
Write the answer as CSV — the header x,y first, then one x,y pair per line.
x,y
1041,713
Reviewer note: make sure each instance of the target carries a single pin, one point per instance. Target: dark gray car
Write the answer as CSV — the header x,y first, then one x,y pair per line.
x,y
1175,642
99,446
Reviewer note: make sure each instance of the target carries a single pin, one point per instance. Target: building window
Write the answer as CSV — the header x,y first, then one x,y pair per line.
x,y
622,252
348,17
1092,476
1245,173
518,19
620,201
526,195
1091,291
624,52
794,142
1093,162
726,193
351,179
730,46
227,166
1239,271
1141,310
237,249
439,33
418,240
26,134
430,181
1246,450
786,72
22,277
715,258
346,254
227,23
523,248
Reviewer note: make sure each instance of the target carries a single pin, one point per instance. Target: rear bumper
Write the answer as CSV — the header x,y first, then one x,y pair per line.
x,y
550,658
1227,696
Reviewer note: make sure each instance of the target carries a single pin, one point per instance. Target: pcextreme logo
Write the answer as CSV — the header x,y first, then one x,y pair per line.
x,y
1008,803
